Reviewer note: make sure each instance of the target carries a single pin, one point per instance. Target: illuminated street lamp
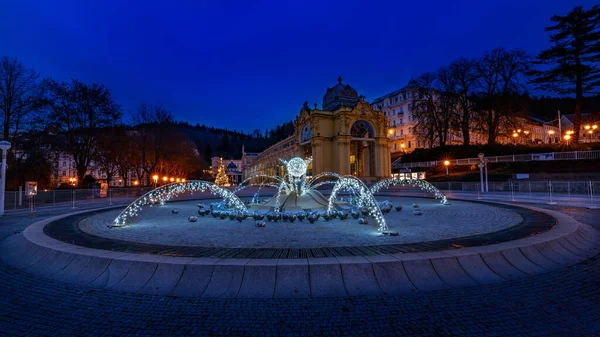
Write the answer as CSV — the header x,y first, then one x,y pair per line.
x,y
172,179
155,178
183,180
446,163
165,179
567,137
178,180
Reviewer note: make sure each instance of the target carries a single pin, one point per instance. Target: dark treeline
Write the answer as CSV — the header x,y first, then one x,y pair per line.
x,y
50,122
547,107
486,93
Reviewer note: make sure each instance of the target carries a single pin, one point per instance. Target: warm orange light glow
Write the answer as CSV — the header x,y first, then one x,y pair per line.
x,y
155,177
446,162
515,135
172,179
402,145
178,180
551,132
165,178
591,132
594,126
567,137
391,131
587,127
519,130
526,132
136,183
183,180
570,132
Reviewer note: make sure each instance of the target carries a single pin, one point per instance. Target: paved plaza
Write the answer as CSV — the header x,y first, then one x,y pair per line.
x,y
562,302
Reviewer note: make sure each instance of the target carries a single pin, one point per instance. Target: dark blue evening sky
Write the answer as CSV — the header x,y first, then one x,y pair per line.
x,y
251,64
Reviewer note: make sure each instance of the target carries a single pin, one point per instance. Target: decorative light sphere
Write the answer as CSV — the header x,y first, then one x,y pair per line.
x,y
296,167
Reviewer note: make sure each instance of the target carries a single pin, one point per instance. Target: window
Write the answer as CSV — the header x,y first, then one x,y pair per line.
x,y
401,132
64,173
409,144
418,143
394,123
394,146
409,130
64,164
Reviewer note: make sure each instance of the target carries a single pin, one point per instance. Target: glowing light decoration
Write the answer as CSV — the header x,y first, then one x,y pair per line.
x,y
422,184
167,192
296,167
365,198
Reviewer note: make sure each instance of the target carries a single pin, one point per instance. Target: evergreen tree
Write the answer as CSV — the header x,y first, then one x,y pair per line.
x,y
574,55
221,178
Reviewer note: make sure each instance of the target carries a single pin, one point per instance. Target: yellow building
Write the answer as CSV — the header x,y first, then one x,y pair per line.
x,y
347,136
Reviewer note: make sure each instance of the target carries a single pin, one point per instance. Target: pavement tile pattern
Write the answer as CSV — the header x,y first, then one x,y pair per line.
x,y
562,303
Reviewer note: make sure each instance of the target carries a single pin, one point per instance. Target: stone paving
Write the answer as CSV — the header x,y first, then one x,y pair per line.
x,y
158,225
564,302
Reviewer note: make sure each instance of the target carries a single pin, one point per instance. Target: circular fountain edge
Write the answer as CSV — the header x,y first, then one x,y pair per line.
x,y
570,242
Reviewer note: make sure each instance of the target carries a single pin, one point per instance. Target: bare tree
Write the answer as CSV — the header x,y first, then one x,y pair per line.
x,y
21,94
152,126
446,92
434,106
464,74
501,86
424,108
78,113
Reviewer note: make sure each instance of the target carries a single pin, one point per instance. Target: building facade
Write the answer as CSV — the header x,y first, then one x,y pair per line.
x,y
347,136
398,107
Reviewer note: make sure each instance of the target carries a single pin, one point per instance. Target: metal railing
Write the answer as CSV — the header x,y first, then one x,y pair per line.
x,y
568,193
549,156
14,200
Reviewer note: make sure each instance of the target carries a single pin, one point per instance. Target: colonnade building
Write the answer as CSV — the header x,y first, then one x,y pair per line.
x,y
346,136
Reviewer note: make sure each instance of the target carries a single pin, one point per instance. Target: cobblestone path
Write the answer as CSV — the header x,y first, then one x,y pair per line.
x,y
565,302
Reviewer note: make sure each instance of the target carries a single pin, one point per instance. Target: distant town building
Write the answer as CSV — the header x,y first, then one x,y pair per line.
x,y
65,173
398,107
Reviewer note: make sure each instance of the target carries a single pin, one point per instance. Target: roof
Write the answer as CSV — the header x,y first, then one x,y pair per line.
x,y
340,95
393,93
411,84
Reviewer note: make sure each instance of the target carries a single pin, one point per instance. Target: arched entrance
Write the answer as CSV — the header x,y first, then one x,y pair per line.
x,y
362,149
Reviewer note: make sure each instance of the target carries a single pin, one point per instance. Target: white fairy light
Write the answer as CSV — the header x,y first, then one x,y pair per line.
x,y
167,192
422,184
365,198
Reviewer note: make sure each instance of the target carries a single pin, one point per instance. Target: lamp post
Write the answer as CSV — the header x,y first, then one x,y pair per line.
x,y
155,178
485,162
446,163
4,146
481,165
